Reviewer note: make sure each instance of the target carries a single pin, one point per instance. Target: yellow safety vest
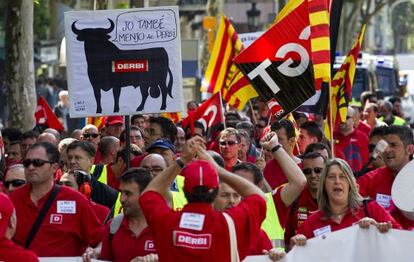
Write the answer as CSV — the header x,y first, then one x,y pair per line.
x,y
179,181
118,206
178,200
103,178
271,224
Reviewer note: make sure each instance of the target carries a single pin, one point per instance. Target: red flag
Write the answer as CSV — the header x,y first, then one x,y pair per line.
x,y
45,116
209,113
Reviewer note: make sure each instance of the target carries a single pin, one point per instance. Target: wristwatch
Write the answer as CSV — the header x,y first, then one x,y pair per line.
x,y
180,163
275,148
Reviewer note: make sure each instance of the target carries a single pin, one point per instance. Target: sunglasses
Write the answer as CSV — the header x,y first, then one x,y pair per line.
x,y
14,183
35,162
316,170
90,135
228,143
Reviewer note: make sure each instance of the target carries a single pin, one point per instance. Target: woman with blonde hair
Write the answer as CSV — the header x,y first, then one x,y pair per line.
x,y
340,205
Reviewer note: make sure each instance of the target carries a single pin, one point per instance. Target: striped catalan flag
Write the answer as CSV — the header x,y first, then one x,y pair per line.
x,y
320,41
341,89
222,74
174,117
99,122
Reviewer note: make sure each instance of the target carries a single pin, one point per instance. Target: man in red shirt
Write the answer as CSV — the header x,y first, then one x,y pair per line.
x,y
306,204
69,225
229,142
8,250
197,232
272,172
351,144
127,236
377,183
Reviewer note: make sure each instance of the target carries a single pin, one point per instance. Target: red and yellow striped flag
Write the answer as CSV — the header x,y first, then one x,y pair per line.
x,y
222,74
174,117
99,122
341,89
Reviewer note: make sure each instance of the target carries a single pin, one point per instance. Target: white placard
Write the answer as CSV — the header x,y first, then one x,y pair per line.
x,y
132,54
352,244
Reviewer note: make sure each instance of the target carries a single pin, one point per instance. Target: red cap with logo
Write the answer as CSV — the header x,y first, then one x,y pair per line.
x,y
199,173
6,211
114,120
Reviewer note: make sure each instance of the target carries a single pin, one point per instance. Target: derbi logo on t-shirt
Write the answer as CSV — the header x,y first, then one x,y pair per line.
x,y
194,241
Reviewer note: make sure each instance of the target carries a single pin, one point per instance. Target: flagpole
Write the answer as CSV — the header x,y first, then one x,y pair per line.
x,y
222,113
252,112
331,121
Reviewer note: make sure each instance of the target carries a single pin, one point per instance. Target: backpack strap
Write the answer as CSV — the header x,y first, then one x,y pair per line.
x,y
40,217
234,252
115,225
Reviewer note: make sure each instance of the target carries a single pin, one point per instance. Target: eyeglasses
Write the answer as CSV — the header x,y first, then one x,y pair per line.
x,y
35,162
316,170
136,137
90,135
14,183
228,143
154,169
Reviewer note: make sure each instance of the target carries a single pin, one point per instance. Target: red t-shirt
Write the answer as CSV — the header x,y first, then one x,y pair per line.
x,y
10,252
364,128
377,186
352,148
405,223
125,245
112,180
68,227
317,224
262,243
197,232
274,174
101,211
302,208
281,209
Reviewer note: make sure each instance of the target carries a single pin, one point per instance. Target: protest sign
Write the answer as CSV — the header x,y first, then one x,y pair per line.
x,y
124,61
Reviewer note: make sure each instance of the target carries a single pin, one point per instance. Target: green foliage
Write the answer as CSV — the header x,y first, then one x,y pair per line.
x,y
41,19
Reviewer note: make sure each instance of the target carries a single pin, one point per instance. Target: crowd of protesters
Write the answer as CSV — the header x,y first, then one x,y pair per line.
x,y
251,186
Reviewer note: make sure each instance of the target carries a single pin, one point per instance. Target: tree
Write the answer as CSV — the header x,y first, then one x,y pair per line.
x,y
20,80
402,20
354,14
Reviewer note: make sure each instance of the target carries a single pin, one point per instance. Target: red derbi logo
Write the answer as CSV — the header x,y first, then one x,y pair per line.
x,y
126,66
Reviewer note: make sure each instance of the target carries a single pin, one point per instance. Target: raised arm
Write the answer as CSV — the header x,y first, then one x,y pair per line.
x,y
162,182
240,185
296,178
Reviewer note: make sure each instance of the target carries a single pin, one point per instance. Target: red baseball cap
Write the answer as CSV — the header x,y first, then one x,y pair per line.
x,y
199,173
114,120
6,211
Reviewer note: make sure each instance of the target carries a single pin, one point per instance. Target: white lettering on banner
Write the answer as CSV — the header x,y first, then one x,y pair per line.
x,y
192,221
384,200
149,245
212,108
56,219
285,68
194,241
260,70
322,231
66,207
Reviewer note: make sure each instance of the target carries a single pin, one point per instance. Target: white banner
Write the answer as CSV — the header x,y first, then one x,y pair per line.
x,y
121,62
353,244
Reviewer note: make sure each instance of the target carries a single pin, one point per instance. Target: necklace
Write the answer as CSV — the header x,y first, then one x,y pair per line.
x,y
338,216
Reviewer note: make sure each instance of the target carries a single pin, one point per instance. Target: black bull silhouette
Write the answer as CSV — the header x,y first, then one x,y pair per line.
x,y
100,56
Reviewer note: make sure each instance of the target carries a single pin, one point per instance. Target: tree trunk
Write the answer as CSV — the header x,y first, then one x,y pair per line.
x,y
20,80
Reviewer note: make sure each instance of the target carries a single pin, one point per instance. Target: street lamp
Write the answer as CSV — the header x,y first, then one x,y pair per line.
x,y
253,18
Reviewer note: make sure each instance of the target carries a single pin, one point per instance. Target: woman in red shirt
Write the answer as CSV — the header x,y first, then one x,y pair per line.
x,y
340,206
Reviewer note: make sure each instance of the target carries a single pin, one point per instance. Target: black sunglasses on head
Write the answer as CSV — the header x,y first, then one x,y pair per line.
x,y
14,183
36,162
90,135
316,170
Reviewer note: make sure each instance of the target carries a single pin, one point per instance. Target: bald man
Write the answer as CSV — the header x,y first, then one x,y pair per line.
x,y
155,163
